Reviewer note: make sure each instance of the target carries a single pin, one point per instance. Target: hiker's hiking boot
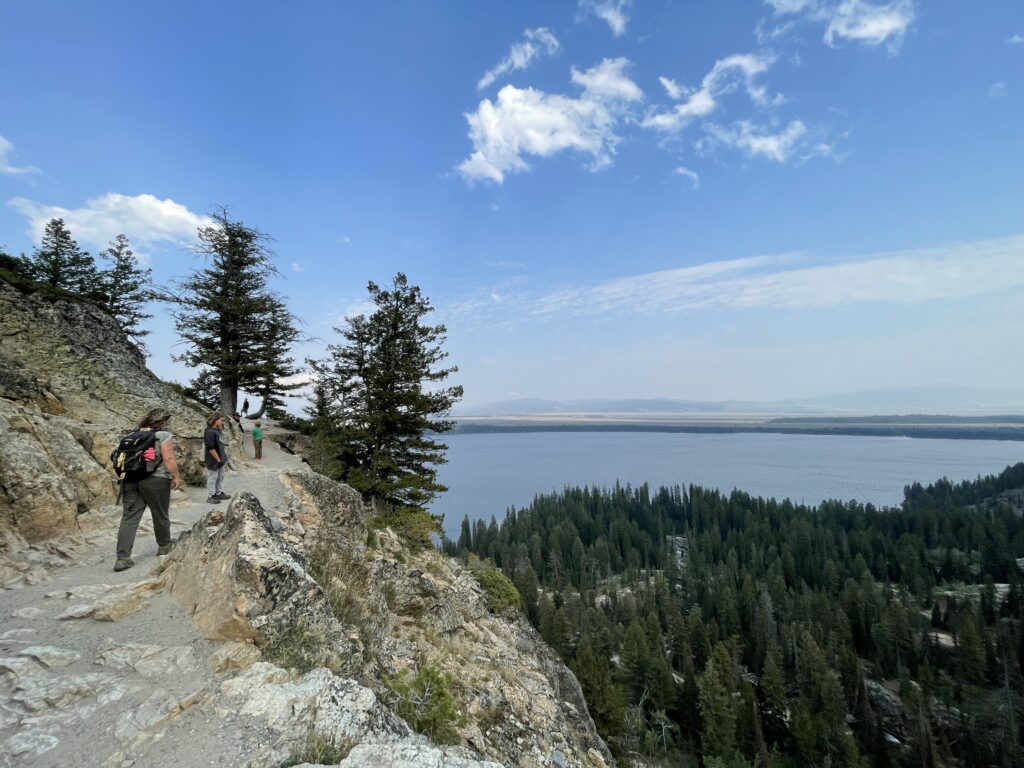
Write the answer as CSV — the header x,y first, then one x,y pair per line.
x,y
123,564
213,500
164,550
222,496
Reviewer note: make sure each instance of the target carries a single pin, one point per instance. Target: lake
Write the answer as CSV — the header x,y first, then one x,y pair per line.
x,y
487,473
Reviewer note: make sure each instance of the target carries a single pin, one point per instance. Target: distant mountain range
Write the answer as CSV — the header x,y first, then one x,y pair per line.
x,y
945,399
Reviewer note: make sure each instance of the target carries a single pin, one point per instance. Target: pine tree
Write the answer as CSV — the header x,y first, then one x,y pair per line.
x,y
717,708
773,696
126,288
272,360
221,307
388,380
60,263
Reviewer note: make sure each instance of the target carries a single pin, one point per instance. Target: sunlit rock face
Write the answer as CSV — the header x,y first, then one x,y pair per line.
x,y
71,384
247,575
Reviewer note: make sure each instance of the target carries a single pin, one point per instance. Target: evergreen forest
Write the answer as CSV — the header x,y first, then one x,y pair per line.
x,y
727,630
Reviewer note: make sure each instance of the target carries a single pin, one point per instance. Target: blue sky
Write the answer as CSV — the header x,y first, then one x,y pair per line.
x,y
603,198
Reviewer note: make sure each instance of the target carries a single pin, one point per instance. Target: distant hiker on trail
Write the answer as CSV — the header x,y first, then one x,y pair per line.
x,y
245,407
216,458
145,462
257,440
238,420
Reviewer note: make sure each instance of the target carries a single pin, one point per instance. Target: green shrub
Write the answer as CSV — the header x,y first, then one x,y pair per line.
x,y
426,703
415,527
319,751
501,593
296,646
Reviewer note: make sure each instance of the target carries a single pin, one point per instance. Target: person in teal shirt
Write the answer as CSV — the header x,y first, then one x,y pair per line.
x,y
257,440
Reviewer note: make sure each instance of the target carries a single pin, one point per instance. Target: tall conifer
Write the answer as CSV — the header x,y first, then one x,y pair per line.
x,y
60,263
388,377
126,288
222,305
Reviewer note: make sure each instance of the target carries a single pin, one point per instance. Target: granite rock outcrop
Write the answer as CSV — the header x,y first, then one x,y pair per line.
x,y
71,384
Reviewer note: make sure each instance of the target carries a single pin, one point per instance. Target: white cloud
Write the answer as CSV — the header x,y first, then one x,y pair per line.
x,y
536,43
6,168
691,175
857,20
672,88
958,271
1015,40
997,90
870,24
612,12
726,76
758,142
145,219
607,82
296,267
525,121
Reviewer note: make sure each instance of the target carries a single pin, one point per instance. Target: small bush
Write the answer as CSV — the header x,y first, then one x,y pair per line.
x,y
297,646
415,527
501,593
342,579
319,751
425,702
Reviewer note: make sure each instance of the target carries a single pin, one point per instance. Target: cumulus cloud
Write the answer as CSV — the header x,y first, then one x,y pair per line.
x,y
612,12
524,121
145,219
870,24
6,167
856,20
536,43
726,76
959,271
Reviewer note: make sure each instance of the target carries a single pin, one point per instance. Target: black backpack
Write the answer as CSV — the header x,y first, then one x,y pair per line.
x,y
130,460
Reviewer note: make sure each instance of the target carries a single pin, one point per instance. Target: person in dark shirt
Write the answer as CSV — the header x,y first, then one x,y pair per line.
x,y
216,458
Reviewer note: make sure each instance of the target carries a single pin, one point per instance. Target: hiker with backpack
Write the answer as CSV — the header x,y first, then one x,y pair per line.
x,y
216,458
144,460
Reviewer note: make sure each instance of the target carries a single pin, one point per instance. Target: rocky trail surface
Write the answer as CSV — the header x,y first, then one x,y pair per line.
x,y
102,668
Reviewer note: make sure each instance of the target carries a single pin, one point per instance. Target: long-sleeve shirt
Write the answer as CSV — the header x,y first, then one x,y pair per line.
x,y
213,441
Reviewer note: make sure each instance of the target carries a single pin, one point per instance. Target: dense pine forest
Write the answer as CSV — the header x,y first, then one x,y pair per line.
x,y
728,630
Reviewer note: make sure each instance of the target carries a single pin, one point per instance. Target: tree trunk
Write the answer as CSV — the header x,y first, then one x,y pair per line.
x,y
259,413
228,395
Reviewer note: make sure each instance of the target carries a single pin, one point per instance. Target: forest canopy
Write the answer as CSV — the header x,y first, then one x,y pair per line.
x,y
746,631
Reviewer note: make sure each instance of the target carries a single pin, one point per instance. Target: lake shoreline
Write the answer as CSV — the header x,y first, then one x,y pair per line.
x,y
1007,428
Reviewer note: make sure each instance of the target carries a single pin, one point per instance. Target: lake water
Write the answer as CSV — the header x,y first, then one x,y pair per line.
x,y
487,473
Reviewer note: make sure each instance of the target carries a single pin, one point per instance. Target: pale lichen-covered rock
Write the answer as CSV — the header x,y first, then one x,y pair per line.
x,y
241,581
105,602
234,655
335,708
46,477
407,756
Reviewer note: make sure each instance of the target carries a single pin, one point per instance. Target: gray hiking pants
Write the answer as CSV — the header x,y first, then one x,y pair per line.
x,y
153,492
214,481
